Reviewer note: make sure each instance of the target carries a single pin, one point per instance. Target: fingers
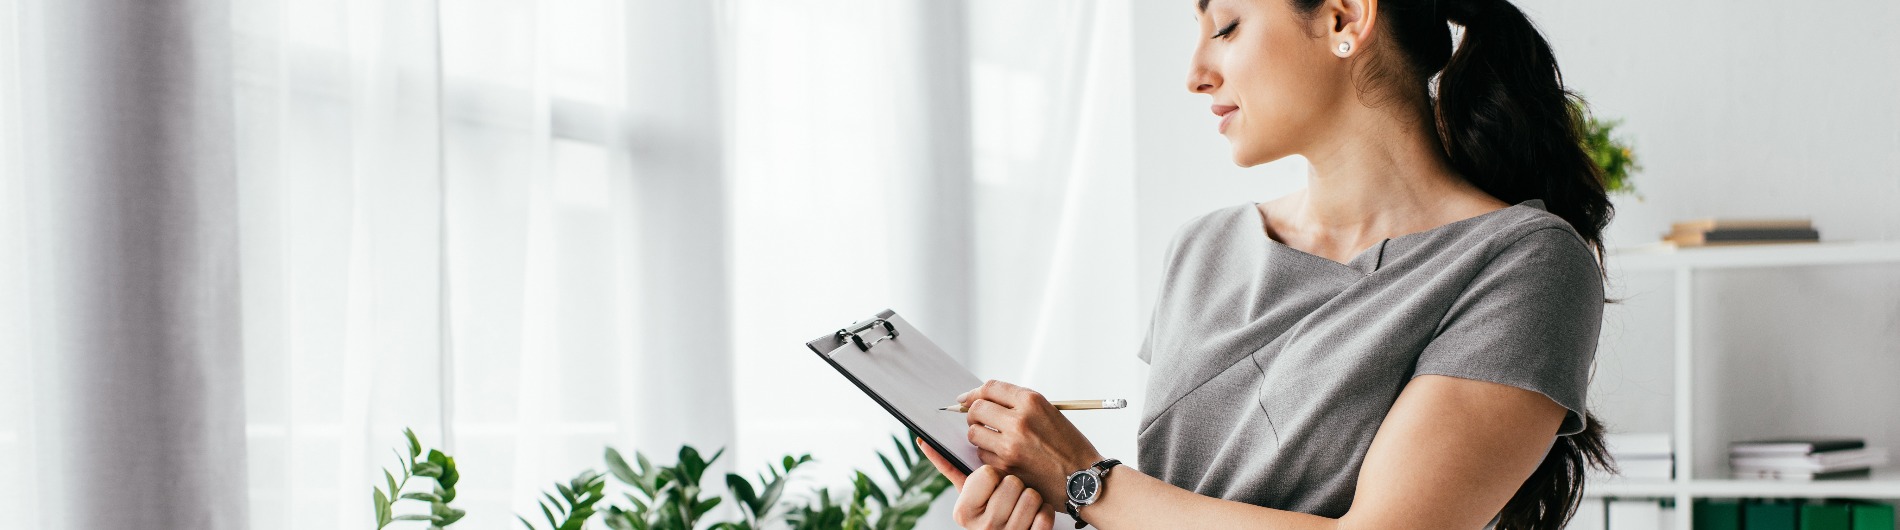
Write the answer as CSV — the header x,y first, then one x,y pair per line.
x,y
1028,508
1003,502
993,500
974,498
1045,520
993,414
1002,393
986,440
943,465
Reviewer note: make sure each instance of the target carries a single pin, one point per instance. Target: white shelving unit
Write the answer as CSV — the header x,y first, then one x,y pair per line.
x,y
1684,263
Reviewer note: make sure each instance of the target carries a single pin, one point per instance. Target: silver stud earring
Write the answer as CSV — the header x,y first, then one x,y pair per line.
x,y
1345,47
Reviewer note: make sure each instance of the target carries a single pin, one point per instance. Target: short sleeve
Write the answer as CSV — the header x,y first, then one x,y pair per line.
x,y
1168,260
1530,319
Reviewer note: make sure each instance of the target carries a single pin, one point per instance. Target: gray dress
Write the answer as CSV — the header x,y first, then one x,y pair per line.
x,y
1272,368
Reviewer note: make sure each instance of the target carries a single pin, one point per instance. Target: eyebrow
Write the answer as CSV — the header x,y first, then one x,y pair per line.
x,y
1203,6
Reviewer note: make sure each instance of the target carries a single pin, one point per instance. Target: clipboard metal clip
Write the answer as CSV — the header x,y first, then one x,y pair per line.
x,y
851,334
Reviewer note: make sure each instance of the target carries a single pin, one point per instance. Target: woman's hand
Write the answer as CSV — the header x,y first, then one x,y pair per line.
x,y
989,500
1016,430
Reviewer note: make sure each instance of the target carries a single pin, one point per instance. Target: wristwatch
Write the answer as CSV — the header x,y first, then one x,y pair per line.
x,y
1085,486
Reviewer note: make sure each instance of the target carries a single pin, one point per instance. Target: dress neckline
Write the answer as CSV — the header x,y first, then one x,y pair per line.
x,y
1356,262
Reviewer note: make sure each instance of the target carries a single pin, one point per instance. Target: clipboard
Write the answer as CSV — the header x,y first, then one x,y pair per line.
x,y
911,377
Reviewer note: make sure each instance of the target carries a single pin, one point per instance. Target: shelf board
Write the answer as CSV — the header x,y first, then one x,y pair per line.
x,y
1883,484
1669,257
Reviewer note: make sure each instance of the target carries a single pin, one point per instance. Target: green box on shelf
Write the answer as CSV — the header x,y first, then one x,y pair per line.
x,y
1718,515
1873,516
1829,516
1769,516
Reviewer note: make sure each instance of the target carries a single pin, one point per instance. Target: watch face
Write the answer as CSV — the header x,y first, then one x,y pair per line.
x,y
1082,487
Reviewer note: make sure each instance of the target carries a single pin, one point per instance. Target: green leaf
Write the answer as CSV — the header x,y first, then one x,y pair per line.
x,y
416,517
415,447
449,475
425,497
619,468
870,488
382,508
391,479
706,505
903,449
895,478
552,522
742,489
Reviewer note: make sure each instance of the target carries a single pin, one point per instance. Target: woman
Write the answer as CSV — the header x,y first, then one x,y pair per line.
x,y
1404,343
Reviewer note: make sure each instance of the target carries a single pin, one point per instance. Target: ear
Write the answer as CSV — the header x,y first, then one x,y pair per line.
x,y
1348,22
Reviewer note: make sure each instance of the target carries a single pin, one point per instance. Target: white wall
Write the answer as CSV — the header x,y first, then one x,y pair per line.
x,y
1737,109
1740,109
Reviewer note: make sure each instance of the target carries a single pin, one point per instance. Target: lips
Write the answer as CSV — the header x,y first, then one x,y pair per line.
x,y
1226,113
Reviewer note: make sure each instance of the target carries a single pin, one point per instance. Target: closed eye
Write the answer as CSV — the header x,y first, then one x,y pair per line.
x,y
1226,30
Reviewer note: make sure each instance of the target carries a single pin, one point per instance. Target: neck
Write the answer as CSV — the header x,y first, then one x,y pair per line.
x,y
1384,174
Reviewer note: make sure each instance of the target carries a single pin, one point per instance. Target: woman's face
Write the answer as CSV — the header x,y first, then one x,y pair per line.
x,y
1273,78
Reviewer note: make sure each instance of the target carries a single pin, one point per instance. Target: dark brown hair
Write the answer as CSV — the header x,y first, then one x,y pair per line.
x,y
1509,127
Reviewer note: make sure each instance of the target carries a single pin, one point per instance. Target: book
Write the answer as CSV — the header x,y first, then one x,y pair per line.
x,y
1717,515
1589,516
1769,516
1799,446
1825,516
1634,514
1716,237
1776,474
1639,445
1646,468
1817,462
1710,223
1873,516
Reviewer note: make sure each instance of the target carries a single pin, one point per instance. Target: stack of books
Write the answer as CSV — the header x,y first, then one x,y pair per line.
x,y
1642,455
1804,458
1754,514
1710,232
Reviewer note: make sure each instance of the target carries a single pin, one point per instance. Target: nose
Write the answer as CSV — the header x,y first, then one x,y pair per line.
x,y
1201,78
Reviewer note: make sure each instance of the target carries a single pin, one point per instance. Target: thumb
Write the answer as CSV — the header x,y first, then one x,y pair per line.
x,y
943,466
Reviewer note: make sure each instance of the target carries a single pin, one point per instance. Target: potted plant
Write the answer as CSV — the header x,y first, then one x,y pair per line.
x,y
670,497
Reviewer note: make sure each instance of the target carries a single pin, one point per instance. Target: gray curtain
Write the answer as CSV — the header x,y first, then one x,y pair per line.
x,y
133,263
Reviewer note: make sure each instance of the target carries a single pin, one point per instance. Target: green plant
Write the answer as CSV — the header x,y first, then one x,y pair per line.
x,y
914,489
756,504
439,468
576,503
669,496
1611,154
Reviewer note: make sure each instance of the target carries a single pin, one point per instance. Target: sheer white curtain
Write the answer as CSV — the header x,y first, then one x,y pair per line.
x,y
968,164
1056,286
533,229
443,229
121,336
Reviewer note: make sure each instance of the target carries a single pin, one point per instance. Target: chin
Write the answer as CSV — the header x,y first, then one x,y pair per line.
x,y
1250,150
1248,157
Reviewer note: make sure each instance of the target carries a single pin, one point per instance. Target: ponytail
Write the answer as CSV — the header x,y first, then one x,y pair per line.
x,y
1510,128
1508,123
